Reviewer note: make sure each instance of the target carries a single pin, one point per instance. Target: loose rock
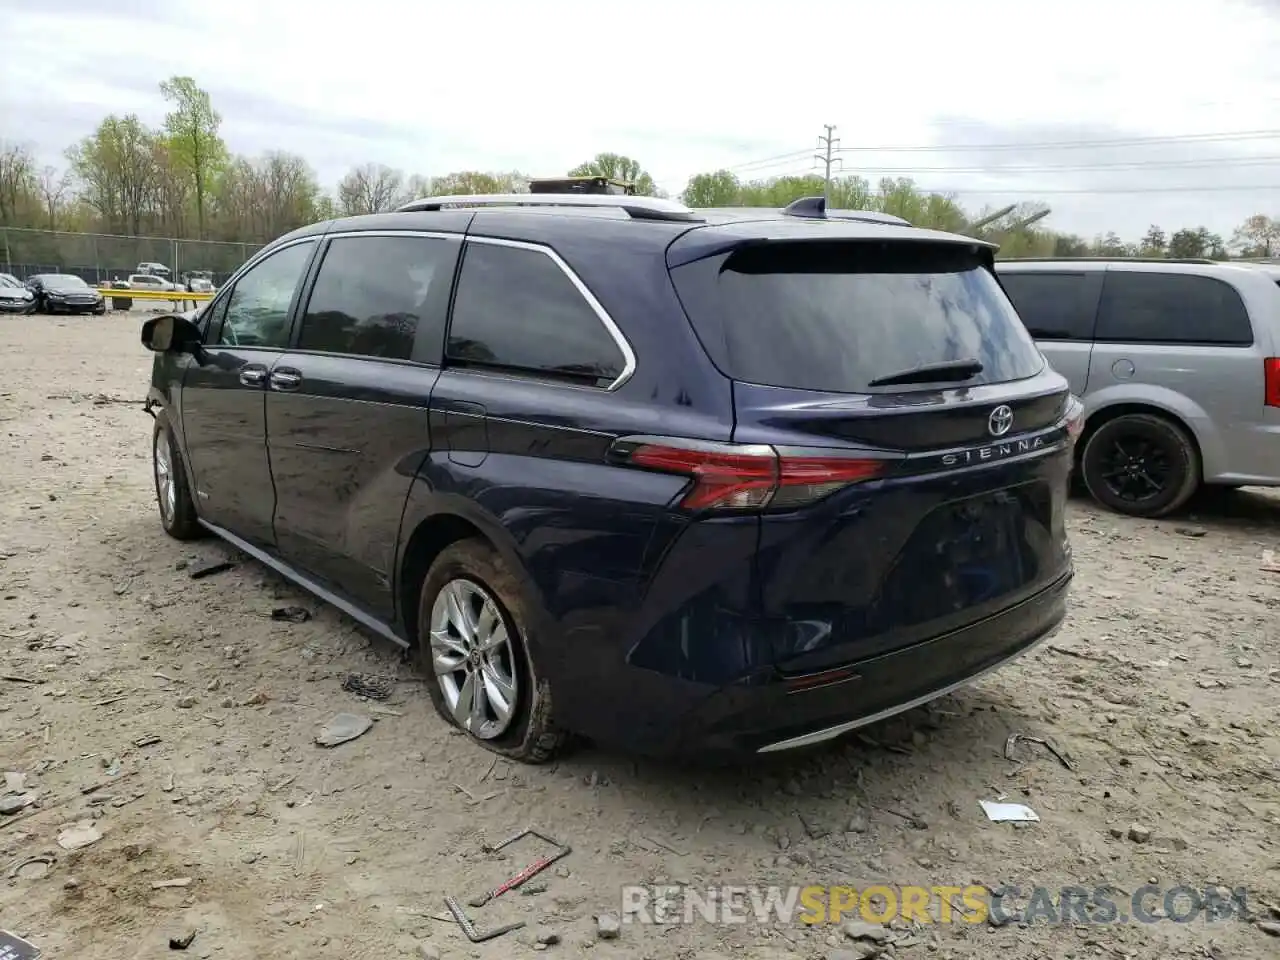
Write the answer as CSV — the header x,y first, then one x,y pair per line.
x,y
1138,833
608,927
861,930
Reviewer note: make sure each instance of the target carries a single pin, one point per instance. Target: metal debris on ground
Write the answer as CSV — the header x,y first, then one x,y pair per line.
x,y
1012,743
200,571
367,685
469,928
529,872
182,942
291,614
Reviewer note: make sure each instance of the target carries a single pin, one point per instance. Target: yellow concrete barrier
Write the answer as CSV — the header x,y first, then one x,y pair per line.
x,y
169,296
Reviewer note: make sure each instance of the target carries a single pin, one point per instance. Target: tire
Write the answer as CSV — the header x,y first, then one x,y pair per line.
x,y
479,581
173,498
1160,451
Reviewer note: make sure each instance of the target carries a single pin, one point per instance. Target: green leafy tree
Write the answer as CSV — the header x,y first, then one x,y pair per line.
x,y
718,189
1189,244
617,167
1154,243
469,182
195,147
115,166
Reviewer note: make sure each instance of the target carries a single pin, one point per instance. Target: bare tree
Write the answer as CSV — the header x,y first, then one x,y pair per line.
x,y
371,188
17,182
54,186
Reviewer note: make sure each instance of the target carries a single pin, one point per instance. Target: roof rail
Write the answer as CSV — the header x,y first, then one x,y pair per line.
x,y
639,208
1122,259
815,208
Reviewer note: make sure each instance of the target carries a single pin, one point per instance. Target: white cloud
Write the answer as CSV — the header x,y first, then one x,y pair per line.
x,y
698,85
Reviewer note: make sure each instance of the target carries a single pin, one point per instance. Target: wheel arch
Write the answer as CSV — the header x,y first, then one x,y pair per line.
x,y
1123,408
431,524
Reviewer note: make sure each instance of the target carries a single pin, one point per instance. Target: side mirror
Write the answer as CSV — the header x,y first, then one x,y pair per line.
x,y
171,334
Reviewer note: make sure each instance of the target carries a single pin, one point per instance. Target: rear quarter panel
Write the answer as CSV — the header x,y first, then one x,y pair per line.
x,y
1217,391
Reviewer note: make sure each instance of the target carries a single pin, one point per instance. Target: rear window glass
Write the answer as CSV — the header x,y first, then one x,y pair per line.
x,y
1140,307
835,316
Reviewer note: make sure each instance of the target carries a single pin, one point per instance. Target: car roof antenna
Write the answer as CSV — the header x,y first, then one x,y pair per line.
x,y
812,207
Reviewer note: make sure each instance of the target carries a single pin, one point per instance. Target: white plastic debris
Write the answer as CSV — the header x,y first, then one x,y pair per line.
x,y
1008,812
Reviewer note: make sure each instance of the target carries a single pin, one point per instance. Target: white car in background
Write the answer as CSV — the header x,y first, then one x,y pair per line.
x,y
147,281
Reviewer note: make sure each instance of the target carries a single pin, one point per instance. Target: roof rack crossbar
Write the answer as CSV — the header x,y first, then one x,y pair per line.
x,y
639,208
815,208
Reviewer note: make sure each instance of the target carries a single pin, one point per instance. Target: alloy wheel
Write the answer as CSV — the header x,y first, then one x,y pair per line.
x,y
1136,468
166,490
473,658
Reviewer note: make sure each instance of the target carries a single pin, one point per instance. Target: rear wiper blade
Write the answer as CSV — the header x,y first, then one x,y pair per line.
x,y
947,370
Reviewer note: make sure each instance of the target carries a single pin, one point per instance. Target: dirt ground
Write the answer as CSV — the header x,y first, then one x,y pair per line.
x,y
195,715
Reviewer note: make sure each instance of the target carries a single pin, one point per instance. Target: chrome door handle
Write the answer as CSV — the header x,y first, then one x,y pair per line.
x,y
285,380
253,376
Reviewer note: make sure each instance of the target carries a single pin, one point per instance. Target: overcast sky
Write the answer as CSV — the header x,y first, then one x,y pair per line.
x,y
979,91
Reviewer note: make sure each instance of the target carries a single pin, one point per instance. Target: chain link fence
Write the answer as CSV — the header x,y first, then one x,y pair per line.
x,y
100,257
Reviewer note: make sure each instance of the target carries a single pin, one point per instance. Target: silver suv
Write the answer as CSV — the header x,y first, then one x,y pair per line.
x,y
1178,365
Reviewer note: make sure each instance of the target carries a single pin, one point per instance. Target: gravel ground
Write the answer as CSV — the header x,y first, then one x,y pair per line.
x,y
195,714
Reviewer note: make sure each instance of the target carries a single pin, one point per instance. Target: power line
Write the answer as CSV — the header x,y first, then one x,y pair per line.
x,y
769,161
1239,136
1050,191
1076,144
1121,165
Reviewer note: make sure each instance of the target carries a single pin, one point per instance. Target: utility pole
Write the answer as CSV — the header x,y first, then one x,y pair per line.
x,y
829,143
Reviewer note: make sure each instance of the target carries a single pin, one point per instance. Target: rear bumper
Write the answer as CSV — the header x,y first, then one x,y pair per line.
x,y
762,716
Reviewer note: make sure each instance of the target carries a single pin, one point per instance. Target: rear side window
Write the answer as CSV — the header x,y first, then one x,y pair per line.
x,y
835,316
1139,307
1053,306
375,294
516,309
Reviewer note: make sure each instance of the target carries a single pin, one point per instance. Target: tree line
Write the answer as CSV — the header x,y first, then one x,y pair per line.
x,y
180,180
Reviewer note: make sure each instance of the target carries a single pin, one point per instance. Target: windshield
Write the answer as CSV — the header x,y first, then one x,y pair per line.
x,y
836,316
63,280
8,281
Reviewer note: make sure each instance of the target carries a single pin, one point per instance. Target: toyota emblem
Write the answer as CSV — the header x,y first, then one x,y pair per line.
x,y
1000,421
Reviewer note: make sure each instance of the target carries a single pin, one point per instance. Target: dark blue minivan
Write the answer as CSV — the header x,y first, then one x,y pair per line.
x,y
675,480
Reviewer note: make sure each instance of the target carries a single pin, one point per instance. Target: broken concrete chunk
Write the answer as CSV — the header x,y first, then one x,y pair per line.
x,y
16,802
343,727
608,927
80,834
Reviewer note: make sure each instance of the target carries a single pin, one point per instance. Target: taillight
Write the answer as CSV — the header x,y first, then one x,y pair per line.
x,y
1075,418
1271,379
747,477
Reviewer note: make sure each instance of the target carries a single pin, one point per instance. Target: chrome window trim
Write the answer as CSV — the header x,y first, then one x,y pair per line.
x,y
619,339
